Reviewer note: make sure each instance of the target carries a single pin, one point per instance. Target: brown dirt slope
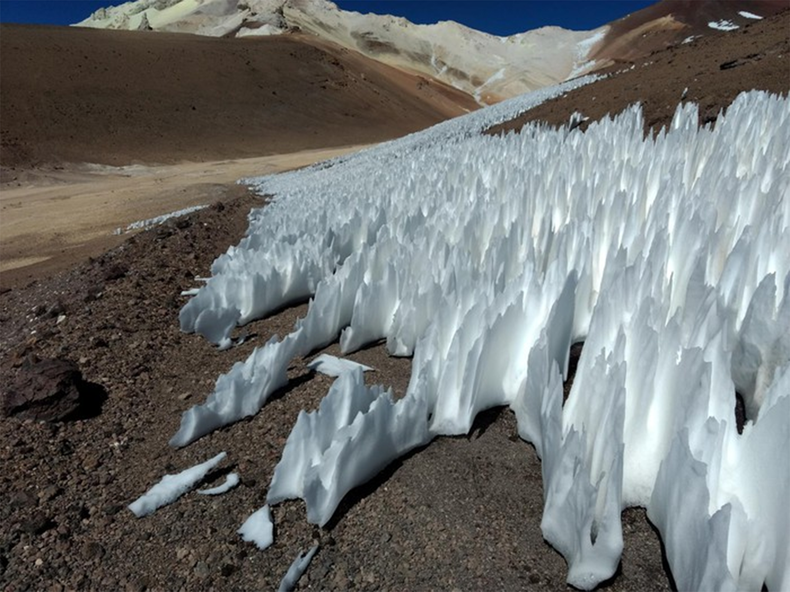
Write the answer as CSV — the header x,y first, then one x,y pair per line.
x,y
116,97
669,22
714,69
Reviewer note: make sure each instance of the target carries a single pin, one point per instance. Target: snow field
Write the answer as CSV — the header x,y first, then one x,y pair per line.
x,y
486,258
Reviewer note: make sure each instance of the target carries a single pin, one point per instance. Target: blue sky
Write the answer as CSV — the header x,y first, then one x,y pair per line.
x,y
501,17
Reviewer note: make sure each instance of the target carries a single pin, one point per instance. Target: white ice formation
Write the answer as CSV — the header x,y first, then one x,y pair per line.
x,y
265,272
172,487
259,528
486,258
334,366
296,570
355,433
231,481
750,15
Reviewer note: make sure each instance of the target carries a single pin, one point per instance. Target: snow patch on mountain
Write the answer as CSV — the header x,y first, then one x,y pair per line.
x,y
584,48
723,25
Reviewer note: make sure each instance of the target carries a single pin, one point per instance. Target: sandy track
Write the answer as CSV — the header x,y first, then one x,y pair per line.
x,y
55,218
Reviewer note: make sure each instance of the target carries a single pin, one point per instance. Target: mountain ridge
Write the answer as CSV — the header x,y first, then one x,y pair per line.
x,y
487,67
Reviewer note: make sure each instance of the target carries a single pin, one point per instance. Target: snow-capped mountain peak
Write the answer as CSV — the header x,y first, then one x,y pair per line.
x,y
486,66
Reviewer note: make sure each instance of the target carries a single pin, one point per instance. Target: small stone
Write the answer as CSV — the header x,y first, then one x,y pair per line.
x,y
91,463
115,272
385,538
112,509
135,586
92,550
55,310
340,579
227,570
184,396
23,499
38,523
61,318
201,569
49,493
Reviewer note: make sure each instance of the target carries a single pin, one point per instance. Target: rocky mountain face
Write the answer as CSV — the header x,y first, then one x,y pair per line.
x,y
488,67
485,66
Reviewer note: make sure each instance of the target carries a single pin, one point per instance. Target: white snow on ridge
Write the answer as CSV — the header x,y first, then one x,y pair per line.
x,y
486,258
749,15
583,49
723,25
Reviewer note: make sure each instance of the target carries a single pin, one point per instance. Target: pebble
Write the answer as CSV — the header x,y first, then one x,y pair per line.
x,y
49,493
38,523
201,569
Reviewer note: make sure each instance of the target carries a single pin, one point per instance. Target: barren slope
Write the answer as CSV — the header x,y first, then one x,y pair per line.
x,y
116,97
710,72
673,22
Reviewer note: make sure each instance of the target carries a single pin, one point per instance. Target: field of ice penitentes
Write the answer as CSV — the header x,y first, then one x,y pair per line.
x,y
486,258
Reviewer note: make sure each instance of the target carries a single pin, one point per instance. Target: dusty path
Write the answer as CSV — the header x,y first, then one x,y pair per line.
x,y
50,220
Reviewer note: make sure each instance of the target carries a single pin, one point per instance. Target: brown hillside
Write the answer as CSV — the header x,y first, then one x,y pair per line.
x,y
714,70
114,97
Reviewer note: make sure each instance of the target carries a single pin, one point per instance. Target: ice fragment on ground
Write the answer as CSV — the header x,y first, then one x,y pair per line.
x,y
258,528
749,15
333,366
171,487
231,481
296,570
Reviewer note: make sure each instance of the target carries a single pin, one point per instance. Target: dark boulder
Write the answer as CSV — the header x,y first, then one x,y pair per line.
x,y
52,390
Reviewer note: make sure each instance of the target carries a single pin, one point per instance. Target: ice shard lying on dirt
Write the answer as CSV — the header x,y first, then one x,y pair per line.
x,y
486,258
172,487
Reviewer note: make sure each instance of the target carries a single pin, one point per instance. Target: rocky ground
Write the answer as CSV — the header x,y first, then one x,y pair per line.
x,y
462,513
710,72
